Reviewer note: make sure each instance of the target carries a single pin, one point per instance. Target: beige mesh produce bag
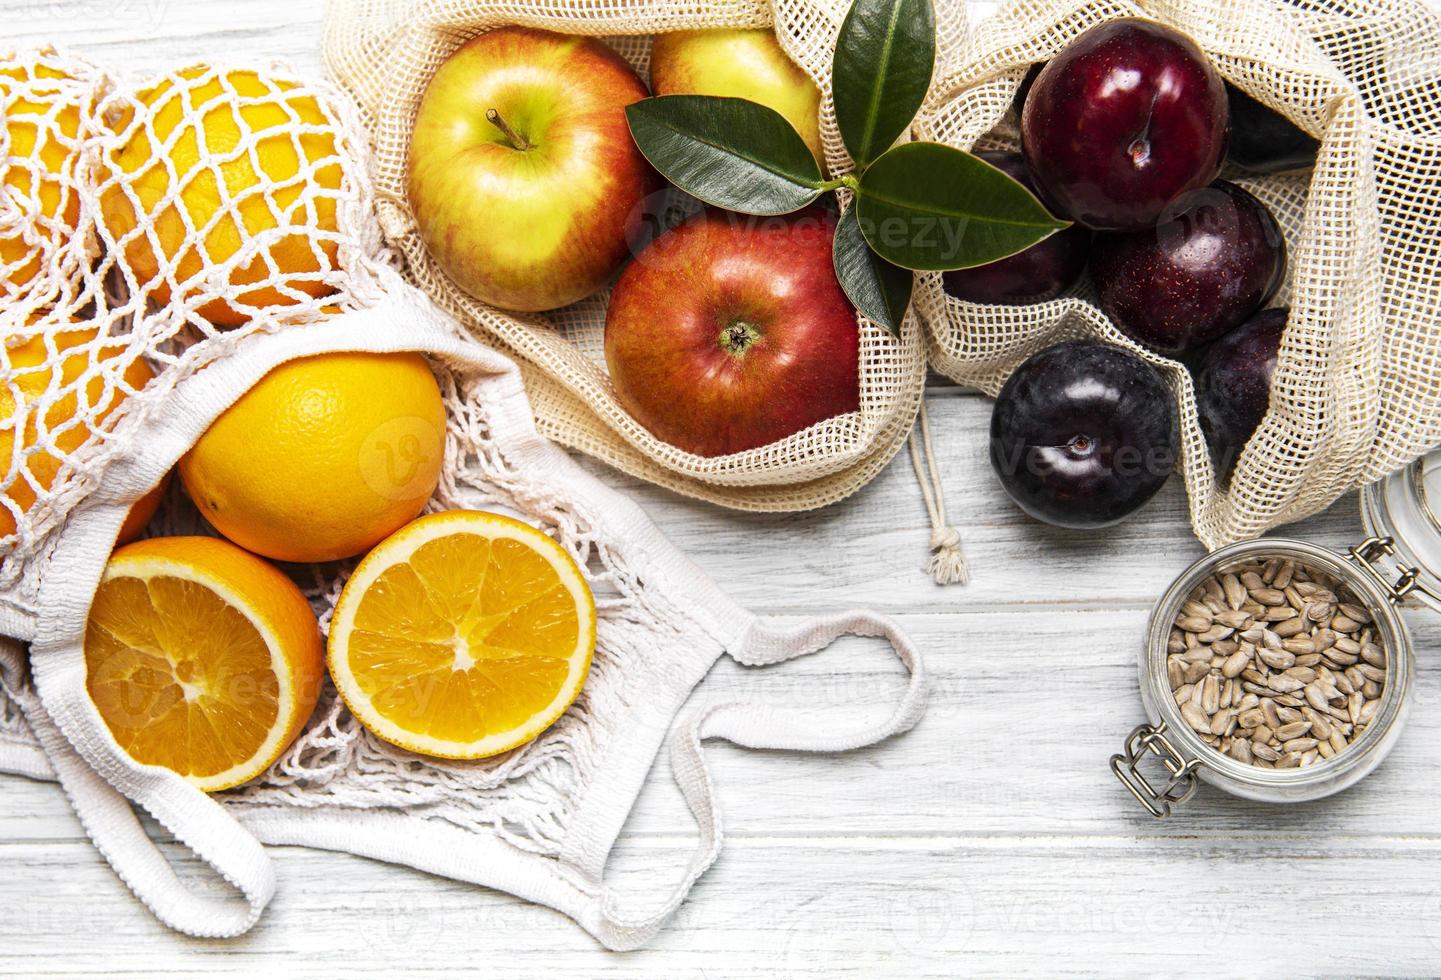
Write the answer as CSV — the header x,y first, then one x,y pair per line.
x,y
385,51
1357,391
148,314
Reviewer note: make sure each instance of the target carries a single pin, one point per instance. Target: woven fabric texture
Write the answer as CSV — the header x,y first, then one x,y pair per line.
x,y
384,53
1357,391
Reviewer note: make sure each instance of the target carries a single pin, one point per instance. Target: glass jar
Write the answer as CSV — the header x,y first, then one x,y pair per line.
x,y
1400,561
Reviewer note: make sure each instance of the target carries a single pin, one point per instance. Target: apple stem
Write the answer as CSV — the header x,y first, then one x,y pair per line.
x,y
517,140
736,338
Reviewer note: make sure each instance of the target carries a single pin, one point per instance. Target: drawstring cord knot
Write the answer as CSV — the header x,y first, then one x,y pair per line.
x,y
948,562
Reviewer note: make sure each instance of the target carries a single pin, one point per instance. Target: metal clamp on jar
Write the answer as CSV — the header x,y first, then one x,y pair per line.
x,y
1399,562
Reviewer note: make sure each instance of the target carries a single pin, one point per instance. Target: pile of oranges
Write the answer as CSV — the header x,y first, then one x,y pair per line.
x,y
459,634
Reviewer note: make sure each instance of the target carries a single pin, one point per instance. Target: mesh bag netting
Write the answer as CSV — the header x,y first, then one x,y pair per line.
x,y
385,51
224,222
195,189
1357,390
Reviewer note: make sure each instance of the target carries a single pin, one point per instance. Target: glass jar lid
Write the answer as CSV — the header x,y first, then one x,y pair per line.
x,y
1406,507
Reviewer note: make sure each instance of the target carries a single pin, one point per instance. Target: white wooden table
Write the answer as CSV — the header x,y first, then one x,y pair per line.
x,y
991,839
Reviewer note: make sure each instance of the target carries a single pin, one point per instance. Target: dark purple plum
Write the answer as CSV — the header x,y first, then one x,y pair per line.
x,y
1041,272
1125,119
1083,434
1265,141
1233,386
1182,284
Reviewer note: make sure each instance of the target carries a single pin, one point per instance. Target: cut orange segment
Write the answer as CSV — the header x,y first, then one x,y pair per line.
x,y
462,635
201,658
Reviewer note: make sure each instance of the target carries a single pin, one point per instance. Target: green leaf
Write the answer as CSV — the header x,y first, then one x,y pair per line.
x,y
885,54
930,206
877,288
732,153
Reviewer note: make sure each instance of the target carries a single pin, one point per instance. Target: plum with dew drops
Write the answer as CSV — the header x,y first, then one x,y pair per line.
x,y
1178,286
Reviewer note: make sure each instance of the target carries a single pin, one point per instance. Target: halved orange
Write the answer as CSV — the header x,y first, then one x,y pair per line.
x,y
462,635
201,658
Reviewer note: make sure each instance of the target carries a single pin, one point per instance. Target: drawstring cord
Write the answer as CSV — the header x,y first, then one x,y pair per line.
x,y
948,561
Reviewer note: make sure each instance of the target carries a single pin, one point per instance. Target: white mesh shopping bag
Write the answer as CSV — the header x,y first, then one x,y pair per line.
x,y
384,52
1357,391
156,279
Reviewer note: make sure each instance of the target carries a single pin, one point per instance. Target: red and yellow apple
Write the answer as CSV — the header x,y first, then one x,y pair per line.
x,y
730,332
739,64
524,180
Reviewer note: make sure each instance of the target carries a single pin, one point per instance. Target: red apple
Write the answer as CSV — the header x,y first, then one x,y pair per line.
x,y
524,179
730,332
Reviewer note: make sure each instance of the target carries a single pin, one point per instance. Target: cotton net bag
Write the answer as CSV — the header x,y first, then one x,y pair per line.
x,y
1357,390
384,52
133,366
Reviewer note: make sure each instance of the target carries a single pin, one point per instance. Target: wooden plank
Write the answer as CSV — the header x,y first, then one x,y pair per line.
x,y
781,907
1027,707
149,35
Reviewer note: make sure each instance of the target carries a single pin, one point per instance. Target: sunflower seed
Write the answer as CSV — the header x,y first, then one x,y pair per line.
x,y
1320,727
1371,673
1252,718
1272,713
1196,718
1235,663
1290,627
1268,597
1276,659
1197,609
1210,694
1284,684
1294,730
1234,618
1263,751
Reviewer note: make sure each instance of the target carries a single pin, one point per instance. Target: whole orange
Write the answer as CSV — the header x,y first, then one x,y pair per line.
x,y
80,406
323,458
40,113
250,164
